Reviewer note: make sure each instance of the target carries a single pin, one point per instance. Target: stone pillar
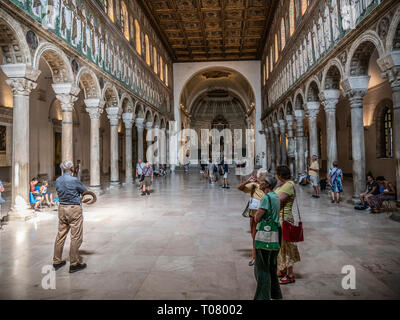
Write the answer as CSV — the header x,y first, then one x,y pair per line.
x,y
67,94
267,149
390,65
355,88
128,119
277,144
312,111
139,126
272,148
163,146
299,115
149,126
157,145
291,144
114,115
329,100
94,107
22,80
282,129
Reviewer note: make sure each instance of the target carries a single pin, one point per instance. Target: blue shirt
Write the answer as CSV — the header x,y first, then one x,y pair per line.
x,y
69,189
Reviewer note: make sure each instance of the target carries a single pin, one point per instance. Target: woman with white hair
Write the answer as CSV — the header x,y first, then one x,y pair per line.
x,y
252,186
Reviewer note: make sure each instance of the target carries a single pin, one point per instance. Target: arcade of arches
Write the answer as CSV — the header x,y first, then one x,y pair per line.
x,y
85,80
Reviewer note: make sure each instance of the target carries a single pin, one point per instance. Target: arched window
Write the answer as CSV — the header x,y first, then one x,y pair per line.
x,y
155,60
270,57
276,48
166,74
124,20
161,69
147,43
267,66
283,33
137,37
304,5
109,8
387,133
291,17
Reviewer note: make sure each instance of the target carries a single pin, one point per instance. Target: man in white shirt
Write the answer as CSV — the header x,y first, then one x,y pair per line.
x,y
139,169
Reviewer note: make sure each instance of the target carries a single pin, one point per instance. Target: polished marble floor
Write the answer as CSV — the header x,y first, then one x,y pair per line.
x,y
188,240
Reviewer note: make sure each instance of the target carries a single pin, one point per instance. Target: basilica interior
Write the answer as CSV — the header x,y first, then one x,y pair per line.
x,y
85,80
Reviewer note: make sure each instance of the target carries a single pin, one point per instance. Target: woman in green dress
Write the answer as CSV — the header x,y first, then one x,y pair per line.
x,y
288,254
265,268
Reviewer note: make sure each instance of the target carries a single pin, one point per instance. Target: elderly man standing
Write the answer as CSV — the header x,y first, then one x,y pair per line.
x,y
70,216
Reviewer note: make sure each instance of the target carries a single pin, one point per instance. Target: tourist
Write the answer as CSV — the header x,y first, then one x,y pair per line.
x,y
139,168
289,253
77,172
336,181
313,172
35,193
372,189
388,194
252,187
148,177
1,198
265,268
46,195
69,190
224,171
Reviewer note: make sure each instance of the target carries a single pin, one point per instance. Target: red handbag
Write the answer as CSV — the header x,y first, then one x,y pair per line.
x,y
291,232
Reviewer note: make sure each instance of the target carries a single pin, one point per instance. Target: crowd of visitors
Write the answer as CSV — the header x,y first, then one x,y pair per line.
x,y
213,171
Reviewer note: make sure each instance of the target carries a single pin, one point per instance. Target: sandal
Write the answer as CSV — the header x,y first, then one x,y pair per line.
x,y
281,275
286,280
252,262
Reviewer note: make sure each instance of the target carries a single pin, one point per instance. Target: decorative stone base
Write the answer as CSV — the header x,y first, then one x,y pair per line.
x,y
21,214
115,184
97,190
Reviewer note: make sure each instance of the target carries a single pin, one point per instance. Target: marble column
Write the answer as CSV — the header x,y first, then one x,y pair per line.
x,y
329,100
355,88
163,146
277,144
157,145
312,111
140,126
128,119
390,65
67,94
282,129
149,126
113,114
94,107
22,80
267,150
272,149
299,115
291,144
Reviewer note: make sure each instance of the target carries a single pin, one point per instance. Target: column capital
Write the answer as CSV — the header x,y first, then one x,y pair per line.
x,y
139,124
22,78
67,94
276,128
312,108
290,121
149,125
128,119
390,67
282,125
299,115
94,107
355,86
329,98
113,114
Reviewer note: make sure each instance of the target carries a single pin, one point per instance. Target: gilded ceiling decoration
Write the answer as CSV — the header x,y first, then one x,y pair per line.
x,y
207,30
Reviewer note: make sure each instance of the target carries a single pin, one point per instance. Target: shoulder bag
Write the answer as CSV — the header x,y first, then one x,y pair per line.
x,y
290,231
246,211
143,175
267,236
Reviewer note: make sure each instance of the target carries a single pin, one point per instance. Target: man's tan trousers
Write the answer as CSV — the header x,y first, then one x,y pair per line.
x,y
69,217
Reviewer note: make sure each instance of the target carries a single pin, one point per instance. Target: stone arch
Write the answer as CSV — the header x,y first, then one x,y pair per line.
x,y
312,89
360,52
148,115
126,103
332,75
299,102
394,30
289,108
139,110
163,123
281,112
13,40
89,82
156,119
57,61
110,95
298,92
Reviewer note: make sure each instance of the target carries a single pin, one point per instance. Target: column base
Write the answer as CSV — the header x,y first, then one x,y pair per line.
x,y
115,183
97,190
172,167
21,214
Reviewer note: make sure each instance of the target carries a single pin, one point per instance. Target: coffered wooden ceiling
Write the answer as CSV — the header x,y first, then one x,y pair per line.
x,y
210,30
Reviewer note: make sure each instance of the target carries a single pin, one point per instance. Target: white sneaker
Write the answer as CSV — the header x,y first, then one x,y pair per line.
x,y
368,209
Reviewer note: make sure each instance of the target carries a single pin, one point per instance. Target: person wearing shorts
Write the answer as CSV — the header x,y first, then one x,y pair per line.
x,y
313,172
148,175
224,171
